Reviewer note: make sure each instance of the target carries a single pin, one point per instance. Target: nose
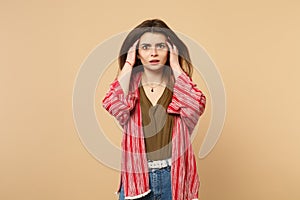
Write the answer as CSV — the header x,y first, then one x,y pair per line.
x,y
153,52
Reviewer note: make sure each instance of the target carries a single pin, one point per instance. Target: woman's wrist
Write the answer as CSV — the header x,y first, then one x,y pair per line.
x,y
177,71
127,62
125,70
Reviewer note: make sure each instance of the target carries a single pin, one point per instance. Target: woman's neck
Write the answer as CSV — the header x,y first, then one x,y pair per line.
x,y
153,76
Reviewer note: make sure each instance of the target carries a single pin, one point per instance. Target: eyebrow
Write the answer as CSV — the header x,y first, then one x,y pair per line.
x,y
155,44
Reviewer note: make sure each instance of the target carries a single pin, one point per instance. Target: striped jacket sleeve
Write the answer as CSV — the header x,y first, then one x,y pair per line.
x,y
187,101
117,103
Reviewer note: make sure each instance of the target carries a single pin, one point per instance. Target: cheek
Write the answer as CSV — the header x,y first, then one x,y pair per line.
x,y
165,55
142,55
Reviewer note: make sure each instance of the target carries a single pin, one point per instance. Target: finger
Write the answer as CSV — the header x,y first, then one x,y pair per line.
x,y
131,50
133,47
135,44
170,47
175,49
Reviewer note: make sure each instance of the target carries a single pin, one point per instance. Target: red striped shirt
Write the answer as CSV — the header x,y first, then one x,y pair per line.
x,y
188,104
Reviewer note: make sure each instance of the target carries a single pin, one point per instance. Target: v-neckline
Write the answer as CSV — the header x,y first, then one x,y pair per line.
x,y
158,101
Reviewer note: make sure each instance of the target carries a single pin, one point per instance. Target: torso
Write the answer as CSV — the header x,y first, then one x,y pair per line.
x,y
157,123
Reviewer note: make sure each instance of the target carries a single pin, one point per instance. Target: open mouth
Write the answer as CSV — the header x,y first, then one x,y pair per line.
x,y
154,61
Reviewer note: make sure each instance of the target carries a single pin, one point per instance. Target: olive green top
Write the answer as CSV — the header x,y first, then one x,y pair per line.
x,y
157,125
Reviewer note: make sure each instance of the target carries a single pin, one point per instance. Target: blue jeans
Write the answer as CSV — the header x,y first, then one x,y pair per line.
x,y
160,185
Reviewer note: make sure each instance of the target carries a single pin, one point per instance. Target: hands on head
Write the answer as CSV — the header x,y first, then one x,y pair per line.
x,y
174,61
132,53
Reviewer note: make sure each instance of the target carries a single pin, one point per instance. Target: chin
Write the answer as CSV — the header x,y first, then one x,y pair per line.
x,y
157,67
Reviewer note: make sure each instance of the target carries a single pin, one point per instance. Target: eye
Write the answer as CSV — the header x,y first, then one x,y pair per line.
x,y
161,46
145,47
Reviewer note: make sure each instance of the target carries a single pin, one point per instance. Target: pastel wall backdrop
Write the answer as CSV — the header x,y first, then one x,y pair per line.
x,y
255,45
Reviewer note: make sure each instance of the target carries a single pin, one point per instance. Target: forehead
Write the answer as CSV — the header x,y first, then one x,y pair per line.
x,y
149,37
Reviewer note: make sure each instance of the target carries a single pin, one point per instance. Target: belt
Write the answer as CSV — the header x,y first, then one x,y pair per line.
x,y
158,164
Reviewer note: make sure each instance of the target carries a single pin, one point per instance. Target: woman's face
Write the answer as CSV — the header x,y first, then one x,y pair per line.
x,y
153,50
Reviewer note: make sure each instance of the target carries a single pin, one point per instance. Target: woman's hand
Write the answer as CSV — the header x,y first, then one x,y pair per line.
x,y
131,54
174,62
125,73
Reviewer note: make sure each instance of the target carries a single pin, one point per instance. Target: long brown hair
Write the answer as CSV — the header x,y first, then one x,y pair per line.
x,y
156,26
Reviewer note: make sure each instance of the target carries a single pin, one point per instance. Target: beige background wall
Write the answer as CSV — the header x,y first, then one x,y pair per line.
x,y
255,45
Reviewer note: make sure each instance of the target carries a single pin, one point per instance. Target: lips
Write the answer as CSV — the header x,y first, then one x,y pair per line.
x,y
155,61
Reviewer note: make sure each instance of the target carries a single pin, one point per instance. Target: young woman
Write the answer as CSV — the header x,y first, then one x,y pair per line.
x,y
158,105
